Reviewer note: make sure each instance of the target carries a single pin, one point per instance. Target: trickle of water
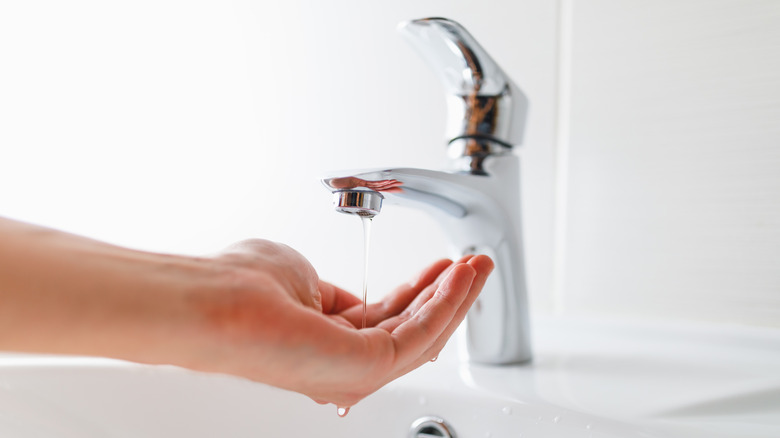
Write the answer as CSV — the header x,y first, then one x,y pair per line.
x,y
366,245
342,411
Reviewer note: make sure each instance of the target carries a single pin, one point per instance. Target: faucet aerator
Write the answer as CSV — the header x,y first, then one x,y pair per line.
x,y
360,202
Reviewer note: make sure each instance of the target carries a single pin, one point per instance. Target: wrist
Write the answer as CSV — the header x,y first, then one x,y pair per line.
x,y
163,317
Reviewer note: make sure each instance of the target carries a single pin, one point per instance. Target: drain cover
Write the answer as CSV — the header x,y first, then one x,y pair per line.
x,y
431,427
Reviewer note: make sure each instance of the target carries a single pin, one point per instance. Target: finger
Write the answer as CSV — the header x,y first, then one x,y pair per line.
x,y
335,299
392,322
483,266
416,335
399,299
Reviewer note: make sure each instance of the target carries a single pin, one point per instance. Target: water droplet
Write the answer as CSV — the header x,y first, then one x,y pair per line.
x,y
423,400
589,427
435,358
507,410
342,411
488,434
556,419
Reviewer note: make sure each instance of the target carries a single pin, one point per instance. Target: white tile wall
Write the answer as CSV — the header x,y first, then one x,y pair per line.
x,y
673,203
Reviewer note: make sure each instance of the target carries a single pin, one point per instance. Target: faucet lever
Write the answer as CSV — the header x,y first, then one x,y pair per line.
x,y
487,111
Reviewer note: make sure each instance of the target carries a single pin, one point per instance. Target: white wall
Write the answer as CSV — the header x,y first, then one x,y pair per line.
x,y
650,162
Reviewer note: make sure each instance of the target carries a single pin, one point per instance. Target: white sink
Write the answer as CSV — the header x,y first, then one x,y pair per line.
x,y
589,379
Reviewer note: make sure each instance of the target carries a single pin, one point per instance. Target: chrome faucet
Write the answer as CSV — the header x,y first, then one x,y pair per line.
x,y
478,201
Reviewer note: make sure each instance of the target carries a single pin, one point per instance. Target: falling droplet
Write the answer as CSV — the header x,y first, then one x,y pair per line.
x,y
342,411
435,358
507,410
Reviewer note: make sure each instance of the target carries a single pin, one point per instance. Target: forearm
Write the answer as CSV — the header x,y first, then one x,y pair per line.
x,y
66,294
257,310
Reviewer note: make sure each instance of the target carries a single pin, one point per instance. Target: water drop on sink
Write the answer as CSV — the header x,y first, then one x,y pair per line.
x,y
423,400
507,410
488,434
556,419
589,427
342,411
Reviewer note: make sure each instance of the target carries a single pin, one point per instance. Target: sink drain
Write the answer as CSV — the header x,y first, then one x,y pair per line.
x,y
431,427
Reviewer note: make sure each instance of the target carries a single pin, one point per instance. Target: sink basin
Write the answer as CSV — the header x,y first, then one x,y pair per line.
x,y
589,379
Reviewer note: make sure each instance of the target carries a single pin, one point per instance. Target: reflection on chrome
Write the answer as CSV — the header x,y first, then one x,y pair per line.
x,y
351,182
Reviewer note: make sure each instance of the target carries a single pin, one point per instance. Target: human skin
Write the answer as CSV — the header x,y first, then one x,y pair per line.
x,y
257,310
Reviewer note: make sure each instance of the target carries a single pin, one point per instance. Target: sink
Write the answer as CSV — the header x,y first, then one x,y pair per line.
x,y
590,378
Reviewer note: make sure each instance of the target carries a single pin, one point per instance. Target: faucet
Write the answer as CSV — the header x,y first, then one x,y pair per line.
x,y
477,201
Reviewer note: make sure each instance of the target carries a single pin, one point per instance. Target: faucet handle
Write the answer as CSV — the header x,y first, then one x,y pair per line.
x,y
487,111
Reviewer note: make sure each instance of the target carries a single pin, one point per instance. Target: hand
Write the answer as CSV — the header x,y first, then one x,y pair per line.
x,y
258,310
278,323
